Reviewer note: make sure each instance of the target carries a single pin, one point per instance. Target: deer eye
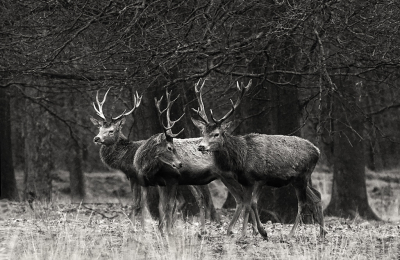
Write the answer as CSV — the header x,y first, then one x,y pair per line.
x,y
216,135
169,148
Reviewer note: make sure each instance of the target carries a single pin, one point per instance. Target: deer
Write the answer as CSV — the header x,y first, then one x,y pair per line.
x,y
117,152
158,164
256,160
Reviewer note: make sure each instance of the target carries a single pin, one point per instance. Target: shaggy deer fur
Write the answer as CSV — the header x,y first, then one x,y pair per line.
x,y
258,159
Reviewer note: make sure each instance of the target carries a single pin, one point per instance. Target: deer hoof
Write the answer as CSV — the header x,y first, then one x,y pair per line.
x,y
264,234
265,237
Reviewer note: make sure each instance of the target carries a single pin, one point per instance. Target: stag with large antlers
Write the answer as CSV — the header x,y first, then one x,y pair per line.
x,y
256,160
158,164
118,152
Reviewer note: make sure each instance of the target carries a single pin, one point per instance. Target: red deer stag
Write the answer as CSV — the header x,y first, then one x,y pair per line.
x,y
256,160
158,164
117,152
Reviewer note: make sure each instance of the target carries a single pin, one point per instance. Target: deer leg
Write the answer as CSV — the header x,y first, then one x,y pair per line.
x,y
136,200
144,208
237,190
180,202
247,208
256,195
200,202
210,211
161,207
315,197
171,198
301,202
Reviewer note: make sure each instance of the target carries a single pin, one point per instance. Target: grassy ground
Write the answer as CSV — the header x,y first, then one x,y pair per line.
x,y
61,230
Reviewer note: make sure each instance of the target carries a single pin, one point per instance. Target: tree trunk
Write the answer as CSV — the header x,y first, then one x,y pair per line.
x,y
38,154
76,176
8,183
74,159
349,193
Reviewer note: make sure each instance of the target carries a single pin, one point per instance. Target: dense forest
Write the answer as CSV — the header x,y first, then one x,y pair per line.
x,y
326,71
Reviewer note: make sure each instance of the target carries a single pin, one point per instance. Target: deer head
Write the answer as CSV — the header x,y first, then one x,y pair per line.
x,y
110,130
213,132
165,149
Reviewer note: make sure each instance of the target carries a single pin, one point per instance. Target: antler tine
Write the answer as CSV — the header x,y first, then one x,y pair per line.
x,y
170,123
137,100
200,110
175,135
242,90
99,110
136,103
160,112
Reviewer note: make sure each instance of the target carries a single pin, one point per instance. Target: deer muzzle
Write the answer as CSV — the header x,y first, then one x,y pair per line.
x,y
177,165
203,148
97,140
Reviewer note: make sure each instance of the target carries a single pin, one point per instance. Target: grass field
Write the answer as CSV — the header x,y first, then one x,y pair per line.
x,y
61,230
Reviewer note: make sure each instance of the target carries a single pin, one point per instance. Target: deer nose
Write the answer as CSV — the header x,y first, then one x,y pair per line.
x,y
178,165
201,148
96,139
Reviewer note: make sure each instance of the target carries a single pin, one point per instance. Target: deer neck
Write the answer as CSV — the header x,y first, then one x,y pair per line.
x,y
145,162
231,154
120,155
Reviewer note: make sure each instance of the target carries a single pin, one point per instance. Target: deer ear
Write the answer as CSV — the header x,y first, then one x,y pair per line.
x,y
226,126
122,121
96,122
199,124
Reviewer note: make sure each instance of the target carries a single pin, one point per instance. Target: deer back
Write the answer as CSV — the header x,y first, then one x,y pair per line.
x,y
279,157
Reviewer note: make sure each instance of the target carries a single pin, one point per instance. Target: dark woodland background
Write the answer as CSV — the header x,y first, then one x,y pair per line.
x,y
327,71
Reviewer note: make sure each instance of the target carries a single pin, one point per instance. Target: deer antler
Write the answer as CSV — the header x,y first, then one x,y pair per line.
x,y
136,103
99,111
242,91
200,110
170,123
